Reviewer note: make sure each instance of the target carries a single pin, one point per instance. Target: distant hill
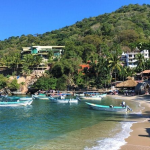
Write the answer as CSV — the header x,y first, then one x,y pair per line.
x,y
127,26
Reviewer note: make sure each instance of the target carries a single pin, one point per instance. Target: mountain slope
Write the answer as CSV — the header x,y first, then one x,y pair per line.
x,y
127,26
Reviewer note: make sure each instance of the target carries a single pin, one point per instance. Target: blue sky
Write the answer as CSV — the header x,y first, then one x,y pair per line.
x,y
18,17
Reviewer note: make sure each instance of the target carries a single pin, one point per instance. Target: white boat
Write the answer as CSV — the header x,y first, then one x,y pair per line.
x,y
40,96
25,98
16,103
79,94
92,97
62,99
108,108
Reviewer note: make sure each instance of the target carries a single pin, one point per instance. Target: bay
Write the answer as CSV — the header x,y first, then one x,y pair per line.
x,y
45,125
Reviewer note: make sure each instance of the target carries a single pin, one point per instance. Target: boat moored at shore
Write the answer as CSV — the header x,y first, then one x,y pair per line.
x,y
109,108
63,99
92,97
25,98
15,103
40,96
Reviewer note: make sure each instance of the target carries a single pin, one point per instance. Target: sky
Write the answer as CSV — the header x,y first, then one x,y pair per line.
x,y
23,17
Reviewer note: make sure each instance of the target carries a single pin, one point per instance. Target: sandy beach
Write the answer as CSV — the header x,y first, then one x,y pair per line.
x,y
139,138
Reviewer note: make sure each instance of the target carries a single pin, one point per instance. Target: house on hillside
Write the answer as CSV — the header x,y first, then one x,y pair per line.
x,y
43,51
129,58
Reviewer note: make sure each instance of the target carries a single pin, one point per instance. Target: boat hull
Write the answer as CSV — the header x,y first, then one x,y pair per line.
x,y
92,97
25,98
107,108
14,104
58,100
40,97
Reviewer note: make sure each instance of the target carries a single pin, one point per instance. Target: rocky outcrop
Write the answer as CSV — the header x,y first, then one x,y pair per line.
x,y
24,82
5,91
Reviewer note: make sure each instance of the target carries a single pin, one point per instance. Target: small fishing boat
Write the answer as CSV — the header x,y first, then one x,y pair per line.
x,y
15,103
62,99
79,94
7,98
40,96
109,108
92,97
25,98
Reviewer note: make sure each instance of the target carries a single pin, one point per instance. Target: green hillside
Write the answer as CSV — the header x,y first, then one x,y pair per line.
x,y
94,39
127,26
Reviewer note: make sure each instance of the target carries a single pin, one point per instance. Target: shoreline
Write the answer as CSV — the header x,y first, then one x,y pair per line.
x,y
139,137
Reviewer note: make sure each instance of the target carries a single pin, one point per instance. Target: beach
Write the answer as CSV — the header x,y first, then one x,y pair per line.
x,y
139,138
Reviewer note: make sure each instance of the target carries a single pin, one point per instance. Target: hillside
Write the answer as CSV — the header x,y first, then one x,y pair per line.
x,y
127,26
98,40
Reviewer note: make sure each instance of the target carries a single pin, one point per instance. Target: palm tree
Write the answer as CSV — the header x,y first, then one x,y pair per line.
x,y
123,72
37,60
27,62
140,62
114,62
16,60
130,71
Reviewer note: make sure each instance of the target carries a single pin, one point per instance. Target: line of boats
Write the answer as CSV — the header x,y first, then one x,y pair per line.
x,y
62,98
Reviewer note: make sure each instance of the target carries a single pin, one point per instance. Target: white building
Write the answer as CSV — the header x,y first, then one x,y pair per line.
x,y
130,59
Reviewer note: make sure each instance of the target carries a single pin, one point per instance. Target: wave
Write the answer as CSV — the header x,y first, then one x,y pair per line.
x,y
115,142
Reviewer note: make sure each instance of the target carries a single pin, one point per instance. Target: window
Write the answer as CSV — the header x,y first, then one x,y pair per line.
x,y
130,55
34,51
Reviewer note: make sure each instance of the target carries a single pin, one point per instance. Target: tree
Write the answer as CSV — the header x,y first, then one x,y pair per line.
x,y
6,60
37,60
50,56
62,83
140,62
46,83
128,36
3,81
15,60
27,61
89,49
114,62
13,84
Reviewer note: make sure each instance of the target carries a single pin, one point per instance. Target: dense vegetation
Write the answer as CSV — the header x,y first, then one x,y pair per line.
x,y
100,40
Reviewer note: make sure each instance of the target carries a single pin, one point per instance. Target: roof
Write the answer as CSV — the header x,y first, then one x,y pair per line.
x,y
127,83
85,65
146,71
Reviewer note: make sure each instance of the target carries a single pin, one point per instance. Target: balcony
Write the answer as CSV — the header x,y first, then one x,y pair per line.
x,y
132,60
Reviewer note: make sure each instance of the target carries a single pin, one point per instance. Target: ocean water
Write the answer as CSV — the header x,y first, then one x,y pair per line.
x,y
47,126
